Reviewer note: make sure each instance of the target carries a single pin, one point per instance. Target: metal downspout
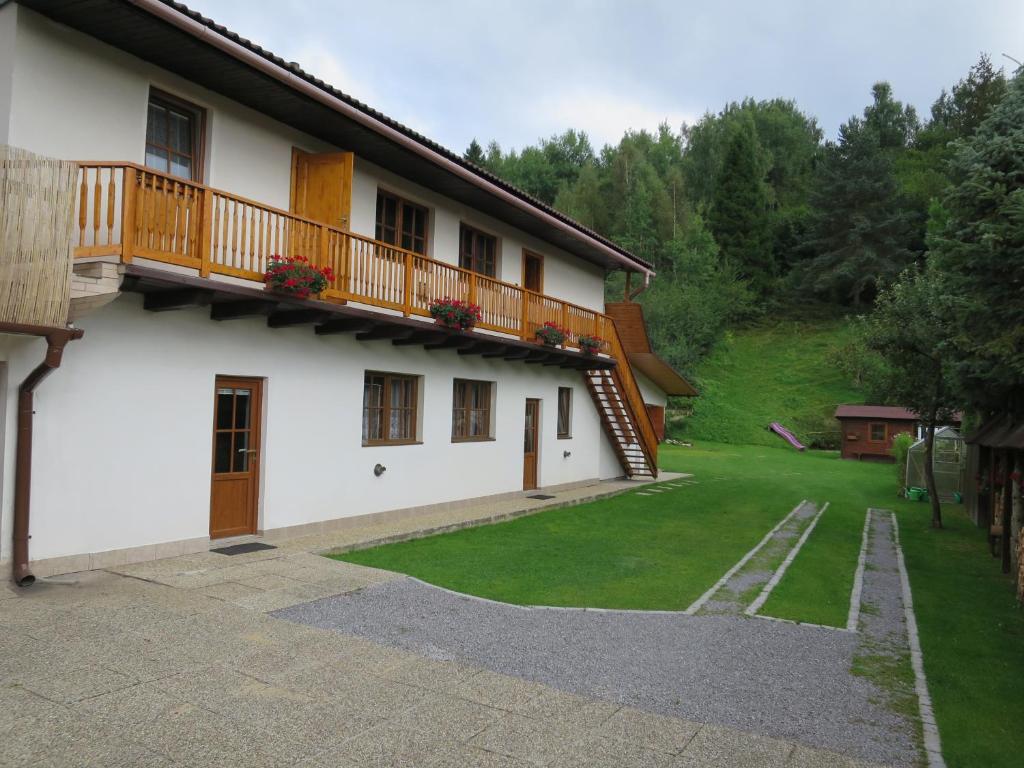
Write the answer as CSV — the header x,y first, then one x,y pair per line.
x,y
55,343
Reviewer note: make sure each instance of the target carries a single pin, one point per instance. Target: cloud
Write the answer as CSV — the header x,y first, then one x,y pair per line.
x,y
604,115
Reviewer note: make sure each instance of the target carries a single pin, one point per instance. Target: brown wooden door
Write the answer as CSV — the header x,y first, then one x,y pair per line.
x,y
322,187
531,433
533,272
234,494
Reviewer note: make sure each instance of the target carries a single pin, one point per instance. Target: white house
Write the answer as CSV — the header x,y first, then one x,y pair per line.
x,y
197,405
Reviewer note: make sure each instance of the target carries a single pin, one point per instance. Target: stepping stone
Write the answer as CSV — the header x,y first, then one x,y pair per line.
x,y
642,493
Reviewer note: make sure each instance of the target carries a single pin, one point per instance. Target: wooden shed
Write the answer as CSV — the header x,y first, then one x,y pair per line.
x,y
868,430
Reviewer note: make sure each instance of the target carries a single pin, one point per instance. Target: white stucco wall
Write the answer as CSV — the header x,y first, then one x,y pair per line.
x,y
8,29
76,98
652,393
123,428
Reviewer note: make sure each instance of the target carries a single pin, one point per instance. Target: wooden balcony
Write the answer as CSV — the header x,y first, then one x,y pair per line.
x,y
129,211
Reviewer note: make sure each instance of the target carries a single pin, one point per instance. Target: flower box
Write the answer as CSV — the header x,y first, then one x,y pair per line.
x,y
296,276
590,345
455,313
551,334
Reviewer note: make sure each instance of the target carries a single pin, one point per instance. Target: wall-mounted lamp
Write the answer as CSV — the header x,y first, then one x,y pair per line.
x,y
379,470
566,454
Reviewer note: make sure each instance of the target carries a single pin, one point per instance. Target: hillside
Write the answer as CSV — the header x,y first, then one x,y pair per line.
x,y
782,372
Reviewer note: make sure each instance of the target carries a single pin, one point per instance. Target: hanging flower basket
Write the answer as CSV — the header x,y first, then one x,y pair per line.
x,y
551,334
589,344
295,276
455,313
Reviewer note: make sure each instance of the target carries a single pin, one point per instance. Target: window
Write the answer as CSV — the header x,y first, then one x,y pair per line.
x,y
174,137
478,251
401,223
471,410
389,408
877,432
564,412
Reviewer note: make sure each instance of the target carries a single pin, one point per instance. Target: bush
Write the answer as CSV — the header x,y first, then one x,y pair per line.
x,y
900,448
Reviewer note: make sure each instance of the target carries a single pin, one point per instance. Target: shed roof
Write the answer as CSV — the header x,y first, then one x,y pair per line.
x,y
178,39
999,432
885,412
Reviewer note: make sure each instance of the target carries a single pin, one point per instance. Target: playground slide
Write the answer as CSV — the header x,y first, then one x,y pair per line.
x,y
786,435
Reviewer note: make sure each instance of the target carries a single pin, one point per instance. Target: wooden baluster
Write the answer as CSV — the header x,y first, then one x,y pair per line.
x,y
259,250
472,288
324,241
149,212
83,207
524,312
234,233
97,206
215,228
129,187
252,238
110,205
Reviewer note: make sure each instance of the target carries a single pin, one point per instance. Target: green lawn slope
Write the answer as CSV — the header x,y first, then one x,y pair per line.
x,y
783,372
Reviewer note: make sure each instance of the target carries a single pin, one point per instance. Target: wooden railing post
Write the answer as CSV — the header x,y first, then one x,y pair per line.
x,y
206,233
525,298
410,266
323,246
129,182
472,287
565,322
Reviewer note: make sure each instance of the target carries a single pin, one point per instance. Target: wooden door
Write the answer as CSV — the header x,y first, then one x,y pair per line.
x,y
322,187
531,433
657,414
533,272
234,494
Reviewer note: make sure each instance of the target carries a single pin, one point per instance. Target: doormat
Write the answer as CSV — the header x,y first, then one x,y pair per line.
x,y
540,496
241,549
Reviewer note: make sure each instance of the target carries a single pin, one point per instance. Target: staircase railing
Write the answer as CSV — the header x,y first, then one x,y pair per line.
x,y
627,385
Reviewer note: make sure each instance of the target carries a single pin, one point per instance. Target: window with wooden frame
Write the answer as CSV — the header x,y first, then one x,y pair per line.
x,y
389,408
471,410
564,413
174,136
401,223
478,251
877,431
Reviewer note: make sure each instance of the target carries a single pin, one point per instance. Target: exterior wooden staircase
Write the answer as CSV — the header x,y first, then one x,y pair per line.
x,y
624,416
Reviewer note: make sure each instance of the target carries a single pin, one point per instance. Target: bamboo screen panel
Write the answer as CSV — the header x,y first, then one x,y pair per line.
x,y
37,201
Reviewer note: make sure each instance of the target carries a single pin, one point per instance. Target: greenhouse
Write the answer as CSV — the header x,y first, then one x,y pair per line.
x,y
948,461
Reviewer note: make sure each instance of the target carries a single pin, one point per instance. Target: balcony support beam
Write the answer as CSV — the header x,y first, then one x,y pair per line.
x,y
452,342
385,332
420,337
177,298
343,325
233,310
285,318
485,348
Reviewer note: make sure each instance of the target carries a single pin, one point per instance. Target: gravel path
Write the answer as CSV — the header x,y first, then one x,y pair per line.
x,y
782,680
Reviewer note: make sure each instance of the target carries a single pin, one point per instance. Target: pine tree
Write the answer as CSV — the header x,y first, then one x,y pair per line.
x,y
981,252
739,215
475,154
858,228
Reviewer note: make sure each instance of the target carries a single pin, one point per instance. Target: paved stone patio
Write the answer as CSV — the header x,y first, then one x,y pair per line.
x,y
177,662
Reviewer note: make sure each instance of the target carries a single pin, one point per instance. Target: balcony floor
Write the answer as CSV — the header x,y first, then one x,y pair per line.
x,y
164,291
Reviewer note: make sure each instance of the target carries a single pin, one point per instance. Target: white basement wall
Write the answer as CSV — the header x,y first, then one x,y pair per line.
x,y
123,430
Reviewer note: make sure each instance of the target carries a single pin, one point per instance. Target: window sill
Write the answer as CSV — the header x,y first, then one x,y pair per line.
x,y
473,439
564,437
386,443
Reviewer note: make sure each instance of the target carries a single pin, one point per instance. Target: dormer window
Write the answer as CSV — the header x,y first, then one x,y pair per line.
x,y
478,251
174,137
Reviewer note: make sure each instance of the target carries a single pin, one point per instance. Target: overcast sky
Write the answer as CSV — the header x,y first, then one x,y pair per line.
x,y
516,71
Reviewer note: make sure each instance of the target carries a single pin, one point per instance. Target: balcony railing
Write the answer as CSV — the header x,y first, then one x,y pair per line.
x,y
129,211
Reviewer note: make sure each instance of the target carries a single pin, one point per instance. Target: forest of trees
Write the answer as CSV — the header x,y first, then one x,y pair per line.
x,y
750,211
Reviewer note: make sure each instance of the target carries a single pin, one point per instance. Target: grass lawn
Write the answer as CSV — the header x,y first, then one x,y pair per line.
x,y
662,551
782,372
